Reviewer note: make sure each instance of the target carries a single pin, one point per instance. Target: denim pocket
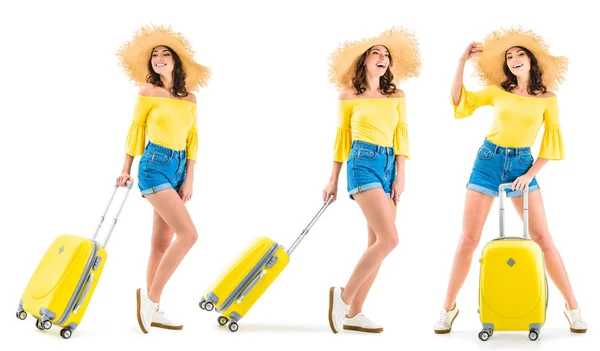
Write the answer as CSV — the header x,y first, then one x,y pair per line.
x,y
365,155
525,159
484,153
159,159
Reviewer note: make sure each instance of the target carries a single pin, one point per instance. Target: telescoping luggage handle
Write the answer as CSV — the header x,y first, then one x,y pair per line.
x,y
289,251
314,220
525,209
114,222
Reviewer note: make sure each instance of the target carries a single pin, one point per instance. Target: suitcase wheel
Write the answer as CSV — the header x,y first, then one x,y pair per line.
x,y
223,320
47,324
533,335
66,333
22,315
203,305
485,334
209,306
43,325
233,326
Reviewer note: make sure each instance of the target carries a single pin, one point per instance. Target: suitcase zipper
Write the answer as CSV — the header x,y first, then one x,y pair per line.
x,y
249,278
80,286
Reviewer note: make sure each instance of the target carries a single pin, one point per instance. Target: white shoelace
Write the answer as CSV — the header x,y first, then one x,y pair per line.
x,y
444,318
577,317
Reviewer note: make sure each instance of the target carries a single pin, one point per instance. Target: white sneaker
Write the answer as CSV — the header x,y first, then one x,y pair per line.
x,y
444,325
360,322
162,320
337,309
146,309
578,325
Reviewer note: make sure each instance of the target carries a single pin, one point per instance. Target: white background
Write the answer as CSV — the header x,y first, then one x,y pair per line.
x,y
267,127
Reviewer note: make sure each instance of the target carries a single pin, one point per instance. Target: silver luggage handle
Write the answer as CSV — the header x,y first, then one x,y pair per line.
x,y
114,222
251,286
525,209
314,220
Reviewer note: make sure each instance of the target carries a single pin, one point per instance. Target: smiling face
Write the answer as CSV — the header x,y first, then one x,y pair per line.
x,y
377,60
517,61
162,61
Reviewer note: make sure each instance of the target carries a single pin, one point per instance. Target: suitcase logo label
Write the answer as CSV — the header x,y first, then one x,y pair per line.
x,y
511,262
61,249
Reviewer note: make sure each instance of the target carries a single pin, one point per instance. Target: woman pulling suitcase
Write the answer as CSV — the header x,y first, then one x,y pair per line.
x,y
162,62
372,136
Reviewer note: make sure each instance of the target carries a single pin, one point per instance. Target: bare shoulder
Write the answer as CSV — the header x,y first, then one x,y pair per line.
x,y
548,94
347,94
147,89
191,98
399,94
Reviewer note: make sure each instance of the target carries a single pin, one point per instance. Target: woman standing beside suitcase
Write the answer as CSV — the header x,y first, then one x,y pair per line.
x,y
372,136
161,61
519,73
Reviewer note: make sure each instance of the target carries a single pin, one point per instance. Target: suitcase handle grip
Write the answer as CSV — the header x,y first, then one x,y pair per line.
x,y
84,293
114,222
502,194
305,231
251,286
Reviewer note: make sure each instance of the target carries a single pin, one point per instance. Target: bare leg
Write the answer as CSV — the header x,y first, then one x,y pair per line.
x,y
362,293
171,209
538,231
162,236
477,208
376,209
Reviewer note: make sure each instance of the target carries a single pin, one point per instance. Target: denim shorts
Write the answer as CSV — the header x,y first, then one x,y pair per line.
x,y
370,166
161,168
495,165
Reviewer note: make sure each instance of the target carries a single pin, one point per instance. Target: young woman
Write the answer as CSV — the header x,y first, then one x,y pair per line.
x,y
161,61
372,136
519,73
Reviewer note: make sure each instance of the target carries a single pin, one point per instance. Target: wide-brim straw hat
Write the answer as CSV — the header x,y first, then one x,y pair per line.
x,y
135,53
401,43
490,63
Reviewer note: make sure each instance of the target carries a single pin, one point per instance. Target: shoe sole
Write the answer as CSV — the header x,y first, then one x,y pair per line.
x,y
331,325
139,307
364,330
451,322
578,331
164,326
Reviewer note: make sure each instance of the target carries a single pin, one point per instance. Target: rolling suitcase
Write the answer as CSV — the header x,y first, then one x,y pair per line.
x,y
61,287
248,276
513,289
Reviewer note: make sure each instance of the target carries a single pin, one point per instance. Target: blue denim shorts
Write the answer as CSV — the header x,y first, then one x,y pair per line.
x,y
161,168
370,166
495,165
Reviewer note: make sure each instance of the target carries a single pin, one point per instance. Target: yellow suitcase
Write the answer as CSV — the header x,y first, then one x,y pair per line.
x,y
513,290
61,287
249,275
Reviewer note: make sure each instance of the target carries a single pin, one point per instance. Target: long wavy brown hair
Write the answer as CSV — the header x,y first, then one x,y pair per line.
x,y
386,84
536,86
178,90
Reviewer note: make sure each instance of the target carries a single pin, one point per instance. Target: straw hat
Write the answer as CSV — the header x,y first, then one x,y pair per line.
x,y
401,43
489,64
135,53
